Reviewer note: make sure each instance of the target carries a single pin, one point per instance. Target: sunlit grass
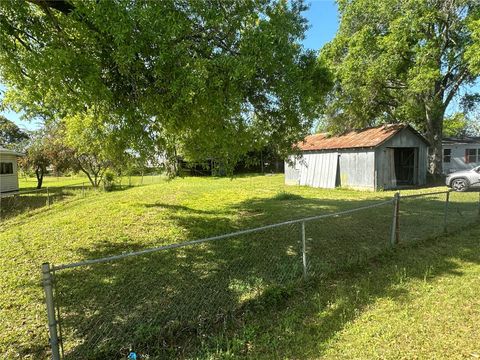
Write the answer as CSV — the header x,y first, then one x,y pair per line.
x,y
318,320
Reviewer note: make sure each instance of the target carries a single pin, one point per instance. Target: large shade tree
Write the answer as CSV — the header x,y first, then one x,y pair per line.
x,y
402,61
208,77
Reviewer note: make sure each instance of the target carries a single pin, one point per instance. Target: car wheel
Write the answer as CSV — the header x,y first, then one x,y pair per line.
x,y
459,184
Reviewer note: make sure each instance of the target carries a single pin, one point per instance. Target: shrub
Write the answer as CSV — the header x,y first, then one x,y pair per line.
x,y
283,195
108,181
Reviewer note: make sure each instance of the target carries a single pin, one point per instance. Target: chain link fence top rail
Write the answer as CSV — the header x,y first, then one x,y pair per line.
x,y
15,203
166,302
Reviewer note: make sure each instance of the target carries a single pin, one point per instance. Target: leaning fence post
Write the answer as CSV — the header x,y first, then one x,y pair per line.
x,y
445,215
395,234
52,321
304,251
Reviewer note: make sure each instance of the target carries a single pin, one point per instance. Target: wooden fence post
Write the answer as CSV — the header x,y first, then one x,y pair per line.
x,y
395,234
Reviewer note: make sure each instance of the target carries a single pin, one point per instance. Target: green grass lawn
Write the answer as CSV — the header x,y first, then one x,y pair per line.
x,y
29,183
59,189
244,297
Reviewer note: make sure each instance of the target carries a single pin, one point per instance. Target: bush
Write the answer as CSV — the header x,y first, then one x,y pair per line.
x,y
283,195
108,181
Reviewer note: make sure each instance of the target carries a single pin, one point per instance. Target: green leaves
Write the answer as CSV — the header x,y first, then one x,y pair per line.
x,y
472,54
401,61
198,72
10,134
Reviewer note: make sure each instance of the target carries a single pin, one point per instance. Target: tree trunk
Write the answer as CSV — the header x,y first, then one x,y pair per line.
x,y
435,114
261,160
39,174
89,177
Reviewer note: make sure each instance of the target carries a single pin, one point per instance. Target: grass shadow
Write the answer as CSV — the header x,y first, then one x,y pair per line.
x,y
205,299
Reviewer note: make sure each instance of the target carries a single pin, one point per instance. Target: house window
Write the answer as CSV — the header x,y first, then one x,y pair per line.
x,y
470,156
447,155
6,168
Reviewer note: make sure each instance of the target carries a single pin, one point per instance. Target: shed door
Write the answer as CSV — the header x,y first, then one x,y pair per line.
x,y
319,170
391,179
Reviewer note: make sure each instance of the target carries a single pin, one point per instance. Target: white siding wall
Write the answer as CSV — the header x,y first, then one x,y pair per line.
x,y
457,160
9,182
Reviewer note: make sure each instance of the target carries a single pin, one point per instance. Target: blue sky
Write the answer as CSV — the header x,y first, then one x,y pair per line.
x,y
323,18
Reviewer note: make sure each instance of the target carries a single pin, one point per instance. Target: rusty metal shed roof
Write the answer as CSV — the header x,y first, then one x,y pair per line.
x,y
365,138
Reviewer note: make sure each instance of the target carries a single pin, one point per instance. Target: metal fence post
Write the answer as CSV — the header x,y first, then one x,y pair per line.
x,y
52,321
479,203
304,251
48,197
395,234
447,201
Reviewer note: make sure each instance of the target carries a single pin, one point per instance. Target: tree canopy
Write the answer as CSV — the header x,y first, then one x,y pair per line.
x,y
208,77
10,134
402,61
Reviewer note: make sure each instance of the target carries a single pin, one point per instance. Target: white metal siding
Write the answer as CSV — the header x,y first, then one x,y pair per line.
x,y
9,182
457,161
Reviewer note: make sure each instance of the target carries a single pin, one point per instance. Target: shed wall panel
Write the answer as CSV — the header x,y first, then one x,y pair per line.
x,y
357,168
319,169
292,171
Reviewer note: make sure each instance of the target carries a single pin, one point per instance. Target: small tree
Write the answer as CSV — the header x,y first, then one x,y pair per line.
x,y
95,146
37,157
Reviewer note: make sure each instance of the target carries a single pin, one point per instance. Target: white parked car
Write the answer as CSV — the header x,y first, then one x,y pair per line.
x,y
464,179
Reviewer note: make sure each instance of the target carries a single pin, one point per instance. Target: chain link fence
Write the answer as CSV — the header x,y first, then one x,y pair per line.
x,y
15,203
12,204
166,302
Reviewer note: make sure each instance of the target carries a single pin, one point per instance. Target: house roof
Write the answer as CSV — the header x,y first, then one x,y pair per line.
x,y
364,138
461,140
10,152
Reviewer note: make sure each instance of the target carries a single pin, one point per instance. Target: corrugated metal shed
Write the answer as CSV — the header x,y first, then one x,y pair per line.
x,y
383,157
365,138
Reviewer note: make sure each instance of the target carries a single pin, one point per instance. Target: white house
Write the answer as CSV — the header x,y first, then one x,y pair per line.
x,y
8,170
383,157
460,153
